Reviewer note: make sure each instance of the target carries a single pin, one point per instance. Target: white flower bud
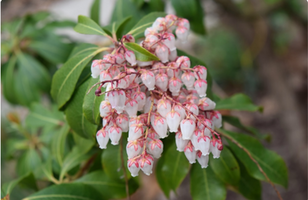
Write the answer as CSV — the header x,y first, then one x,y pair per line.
x,y
180,143
161,81
155,148
163,107
96,68
173,55
200,72
187,127
203,144
203,160
173,120
102,137
130,57
133,166
148,79
159,124
104,108
175,85
140,97
115,134
206,104
188,80
146,164
162,53
134,148
200,87
131,107
122,121
190,153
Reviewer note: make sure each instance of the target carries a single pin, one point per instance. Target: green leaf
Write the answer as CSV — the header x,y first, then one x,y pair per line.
x,y
234,121
171,169
65,79
39,116
88,26
226,167
58,143
138,30
34,71
108,187
74,113
248,186
205,185
111,160
94,12
237,102
91,103
76,156
28,162
52,49
117,27
8,81
27,180
195,61
141,53
191,10
68,191
271,163
46,170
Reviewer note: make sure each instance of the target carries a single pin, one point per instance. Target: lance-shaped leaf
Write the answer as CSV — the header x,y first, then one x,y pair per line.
x,y
91,103
94,12
74,113
271,163
138,30
67,191
226,167
108,187
8,81
65,79
27,180
58,143
237,102
141,53
172,167
117,27
88,26
205,185
76,156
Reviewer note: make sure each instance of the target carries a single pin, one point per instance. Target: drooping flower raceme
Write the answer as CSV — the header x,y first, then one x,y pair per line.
x,y
153,100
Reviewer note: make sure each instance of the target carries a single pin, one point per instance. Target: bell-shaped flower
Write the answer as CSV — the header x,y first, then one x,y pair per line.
x,y
200,87
115,133
148,79
169,41
140,97
190,153
217,120
192,108
183,29
203,144
173,70
130,57
155,147
202,159
122,82
194,138
134,148
131,77
131,107
171,21
150,42
162,52
105,76
146,163
159,124
175,85
133,166
117,100
206,104
180,143
183,62
216,147
200,72
161,81
180,109
173,55
159,24
135,131
149,31
123,122
192,98
102,137
163,107
104,108
119,58
173,120
187,127
96,68
188,80
152,134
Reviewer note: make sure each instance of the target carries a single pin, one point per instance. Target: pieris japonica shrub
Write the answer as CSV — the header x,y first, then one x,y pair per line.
x,y
138,103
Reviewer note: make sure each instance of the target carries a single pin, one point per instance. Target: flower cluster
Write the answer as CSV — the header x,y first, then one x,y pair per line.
x,y
151,99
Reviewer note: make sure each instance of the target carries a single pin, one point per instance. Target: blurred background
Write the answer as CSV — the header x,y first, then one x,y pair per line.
x,y
257,47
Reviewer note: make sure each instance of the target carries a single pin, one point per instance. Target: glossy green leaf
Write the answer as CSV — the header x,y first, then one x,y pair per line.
x,y
83,48
8,81
27,180
46,170
237,102
74,114
108,187
234,121
271,163
39,116
191,10
226,167
65,79
68,191
76,156
52,49
58,143
204,184
94,12
28,162
112,162
91,103
141,53
195,61
172,167
34,71
248,186
138,30
88,26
